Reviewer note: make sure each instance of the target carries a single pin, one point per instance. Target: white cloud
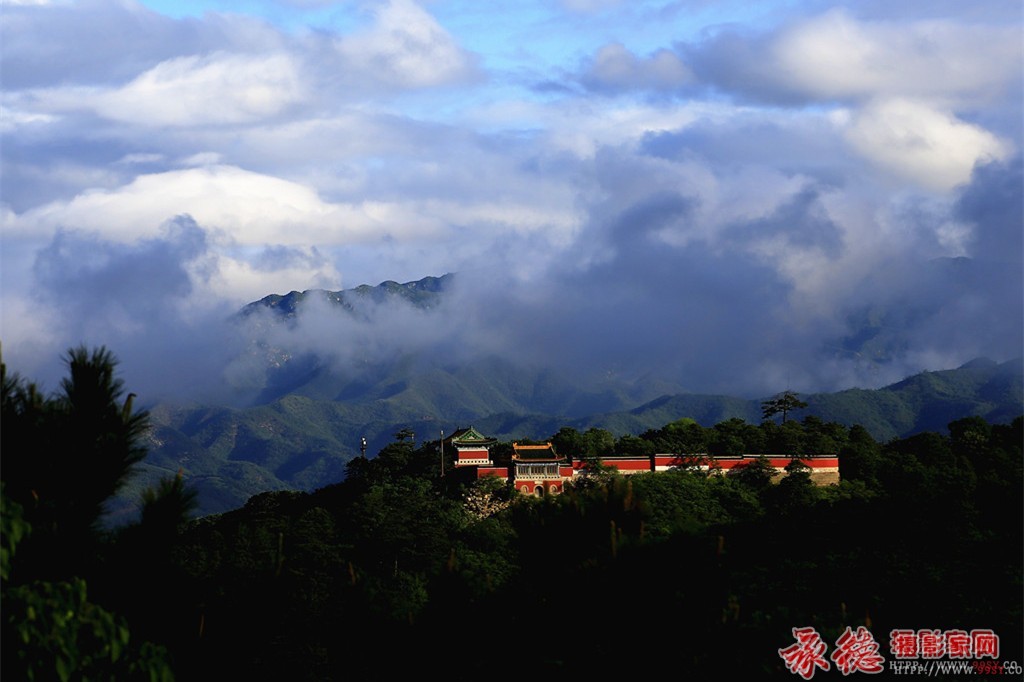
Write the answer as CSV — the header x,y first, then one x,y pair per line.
x,y
927,146
407,48
203,159
13,119
248,207
31,331
835,56
238,280
196,90
584,128
139,158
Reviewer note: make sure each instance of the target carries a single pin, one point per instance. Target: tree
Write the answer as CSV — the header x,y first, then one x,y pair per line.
x,y
734,436
65,456
969,436
168,506
598,442
823,437
569,442
683,436
487,496
757,475
785,439
782,403
50,630
795,492
632,445
860,457
727,437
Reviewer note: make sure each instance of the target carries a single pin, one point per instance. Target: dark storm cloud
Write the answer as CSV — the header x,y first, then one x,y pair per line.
x,y
640,307
711,314
625,302
655,309
652,307
991,298
737,61
992,203
807,146
908,315
81,273
912,310
134,299
801,221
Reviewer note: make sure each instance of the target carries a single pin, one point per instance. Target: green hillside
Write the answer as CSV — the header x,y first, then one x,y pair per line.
x,y
309,419
299,442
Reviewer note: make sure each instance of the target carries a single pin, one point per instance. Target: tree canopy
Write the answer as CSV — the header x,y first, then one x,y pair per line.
x,y
783,403
923,531
64,574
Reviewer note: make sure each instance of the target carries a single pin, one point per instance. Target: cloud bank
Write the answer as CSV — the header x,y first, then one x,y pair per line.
x,y
827,198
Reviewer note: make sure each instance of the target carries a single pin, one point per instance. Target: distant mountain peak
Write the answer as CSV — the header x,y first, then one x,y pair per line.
x,y
421,293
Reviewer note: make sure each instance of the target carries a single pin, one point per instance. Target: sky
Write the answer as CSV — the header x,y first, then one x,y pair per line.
x,y
739,197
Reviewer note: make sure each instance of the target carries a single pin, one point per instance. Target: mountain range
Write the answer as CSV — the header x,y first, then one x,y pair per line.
x,y
308,420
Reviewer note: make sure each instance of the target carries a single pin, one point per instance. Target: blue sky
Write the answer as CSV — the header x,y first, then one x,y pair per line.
x,y
553,30
776,186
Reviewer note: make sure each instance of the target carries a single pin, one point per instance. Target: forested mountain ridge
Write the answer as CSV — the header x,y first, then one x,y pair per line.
x,y
923,402
920,532
309,418
462,385
298,442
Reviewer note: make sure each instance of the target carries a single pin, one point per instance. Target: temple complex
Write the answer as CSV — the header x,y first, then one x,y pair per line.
x,y
537,469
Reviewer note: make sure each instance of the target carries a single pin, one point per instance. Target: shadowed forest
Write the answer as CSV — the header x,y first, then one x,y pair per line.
x,y
398,569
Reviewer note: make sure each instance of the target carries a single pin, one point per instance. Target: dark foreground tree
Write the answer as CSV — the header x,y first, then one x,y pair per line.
x,y
66,588
53,631
65,456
